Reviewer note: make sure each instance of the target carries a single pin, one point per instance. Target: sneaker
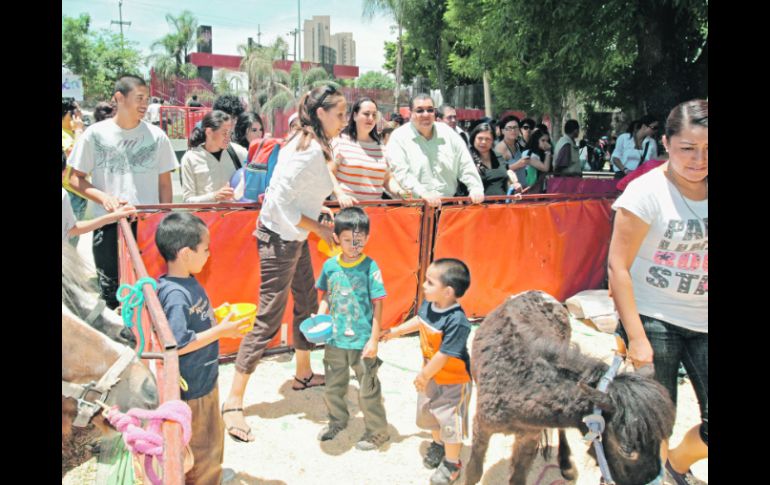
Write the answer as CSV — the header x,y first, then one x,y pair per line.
x,y
673,477
329,431
446,473
434,456
371,441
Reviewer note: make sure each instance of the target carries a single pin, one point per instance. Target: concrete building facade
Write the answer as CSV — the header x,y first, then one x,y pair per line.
x,y
322,47
345,46
317,34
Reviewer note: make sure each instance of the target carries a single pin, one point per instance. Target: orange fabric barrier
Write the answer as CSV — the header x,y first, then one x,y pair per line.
x,y
558,247
232,273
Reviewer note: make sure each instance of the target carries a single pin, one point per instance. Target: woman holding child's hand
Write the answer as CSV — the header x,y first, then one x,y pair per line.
x,y
300,184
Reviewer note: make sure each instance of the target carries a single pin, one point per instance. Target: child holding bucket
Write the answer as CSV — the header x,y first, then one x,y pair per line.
x,y
183,241
352,292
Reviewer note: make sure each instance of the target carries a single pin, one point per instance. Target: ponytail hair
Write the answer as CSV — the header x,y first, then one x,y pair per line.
x,y
214,120
325,97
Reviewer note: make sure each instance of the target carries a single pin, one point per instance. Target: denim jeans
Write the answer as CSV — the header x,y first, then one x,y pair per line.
x,y
79,209
671,345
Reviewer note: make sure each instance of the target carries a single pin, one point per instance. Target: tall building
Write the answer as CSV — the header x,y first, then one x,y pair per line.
x,y
345,46
316,33
322,47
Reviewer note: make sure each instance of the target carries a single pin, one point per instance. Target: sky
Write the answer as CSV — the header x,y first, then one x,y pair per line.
x,y
234,21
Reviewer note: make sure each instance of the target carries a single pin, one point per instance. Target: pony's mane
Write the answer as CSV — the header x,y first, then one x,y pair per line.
x,y
73,276
642,406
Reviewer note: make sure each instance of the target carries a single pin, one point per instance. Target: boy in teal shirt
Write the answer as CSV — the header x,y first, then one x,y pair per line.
x,y
352,292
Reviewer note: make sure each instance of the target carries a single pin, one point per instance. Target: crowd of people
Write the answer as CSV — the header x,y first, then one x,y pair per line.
x,y
658,256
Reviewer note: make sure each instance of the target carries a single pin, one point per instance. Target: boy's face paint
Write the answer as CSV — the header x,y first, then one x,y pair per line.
x,y
352,244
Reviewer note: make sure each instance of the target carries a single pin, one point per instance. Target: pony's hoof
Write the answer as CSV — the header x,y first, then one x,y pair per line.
x,y
570,473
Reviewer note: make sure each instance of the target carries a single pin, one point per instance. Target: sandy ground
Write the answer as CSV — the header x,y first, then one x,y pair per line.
x,y
286,423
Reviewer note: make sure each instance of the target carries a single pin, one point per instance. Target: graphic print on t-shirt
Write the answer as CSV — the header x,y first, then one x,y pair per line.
x,y
135,156
683,249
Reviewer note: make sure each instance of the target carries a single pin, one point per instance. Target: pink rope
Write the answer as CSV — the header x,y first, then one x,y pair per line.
x,y
149,442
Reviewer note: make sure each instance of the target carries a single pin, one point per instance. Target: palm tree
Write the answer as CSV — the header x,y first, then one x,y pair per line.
x,y
174,47
396,9
272,89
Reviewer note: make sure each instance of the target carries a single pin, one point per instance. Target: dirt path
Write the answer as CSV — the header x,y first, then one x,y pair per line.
x,y
286,424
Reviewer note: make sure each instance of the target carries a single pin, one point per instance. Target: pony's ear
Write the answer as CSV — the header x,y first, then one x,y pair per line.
x,y
597,397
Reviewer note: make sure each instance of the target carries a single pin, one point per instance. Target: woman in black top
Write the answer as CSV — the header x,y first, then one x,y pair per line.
x,y
494,173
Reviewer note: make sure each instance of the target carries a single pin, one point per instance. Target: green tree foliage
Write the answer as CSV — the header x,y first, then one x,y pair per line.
x,y
98,57
396,9
644,55
375,80
171,59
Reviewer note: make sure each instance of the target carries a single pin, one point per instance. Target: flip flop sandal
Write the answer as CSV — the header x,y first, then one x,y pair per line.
x,y
306,383
230,428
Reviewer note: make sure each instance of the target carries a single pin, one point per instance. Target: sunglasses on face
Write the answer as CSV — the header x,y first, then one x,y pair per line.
x,y
420,111
526,127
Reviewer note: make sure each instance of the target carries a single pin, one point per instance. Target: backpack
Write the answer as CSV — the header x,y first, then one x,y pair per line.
x,y
254,178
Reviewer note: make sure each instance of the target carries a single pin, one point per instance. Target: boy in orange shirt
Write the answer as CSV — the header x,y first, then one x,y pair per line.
x,y
444,384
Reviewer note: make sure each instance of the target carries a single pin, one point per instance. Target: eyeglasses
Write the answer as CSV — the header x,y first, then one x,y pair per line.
x,y
420,111
526,127
510,128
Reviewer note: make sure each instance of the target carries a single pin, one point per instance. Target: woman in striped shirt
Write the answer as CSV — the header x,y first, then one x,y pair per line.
x,y
358,165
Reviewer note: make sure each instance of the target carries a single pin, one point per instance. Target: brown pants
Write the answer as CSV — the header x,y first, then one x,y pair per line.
x,y
284,266
207,441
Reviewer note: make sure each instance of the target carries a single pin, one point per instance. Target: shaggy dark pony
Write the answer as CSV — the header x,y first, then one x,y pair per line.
x,y
529,379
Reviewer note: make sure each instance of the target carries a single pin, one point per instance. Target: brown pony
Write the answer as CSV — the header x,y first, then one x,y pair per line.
x,y
529,379
87,355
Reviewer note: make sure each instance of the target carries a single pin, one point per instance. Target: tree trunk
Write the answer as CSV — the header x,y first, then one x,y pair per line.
x,y
487,95
399,55
440,71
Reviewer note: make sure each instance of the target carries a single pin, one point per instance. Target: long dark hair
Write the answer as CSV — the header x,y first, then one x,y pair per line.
x,y
243,125
534,143
214,120
352,130
495,162
325,97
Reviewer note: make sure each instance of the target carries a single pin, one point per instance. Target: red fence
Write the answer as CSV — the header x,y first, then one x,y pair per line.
x,y
161,348
558,244
179,121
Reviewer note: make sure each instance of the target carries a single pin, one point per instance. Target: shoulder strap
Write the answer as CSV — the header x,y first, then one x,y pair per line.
x,y
233,156
644,153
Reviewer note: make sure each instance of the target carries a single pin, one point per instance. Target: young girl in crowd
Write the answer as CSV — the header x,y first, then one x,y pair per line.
x,y
538,155
209,163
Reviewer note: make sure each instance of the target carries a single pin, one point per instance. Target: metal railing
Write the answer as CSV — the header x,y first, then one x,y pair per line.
x,y
164,349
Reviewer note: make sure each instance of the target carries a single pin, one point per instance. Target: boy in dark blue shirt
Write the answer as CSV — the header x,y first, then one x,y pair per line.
x,y
183,241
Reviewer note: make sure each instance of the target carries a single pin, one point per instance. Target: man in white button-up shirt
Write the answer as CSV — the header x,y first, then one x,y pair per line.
x,y
429,158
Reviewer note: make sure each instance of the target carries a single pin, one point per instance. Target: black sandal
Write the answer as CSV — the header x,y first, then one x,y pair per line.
x,y
306,383
230,428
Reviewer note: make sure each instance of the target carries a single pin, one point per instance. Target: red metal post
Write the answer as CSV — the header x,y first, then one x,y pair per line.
x,y
168,371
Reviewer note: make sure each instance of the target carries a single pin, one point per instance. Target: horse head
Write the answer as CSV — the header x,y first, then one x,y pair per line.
x,y
639,416
87,356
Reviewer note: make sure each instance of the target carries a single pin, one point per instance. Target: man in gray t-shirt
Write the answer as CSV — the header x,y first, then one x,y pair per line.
x,y
130,162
